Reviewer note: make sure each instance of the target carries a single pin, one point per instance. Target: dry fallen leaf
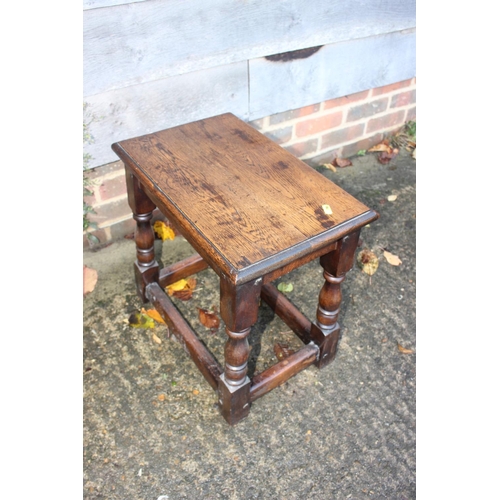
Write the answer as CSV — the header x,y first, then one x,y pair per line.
x,y
163,231
208,319
394,260
385,158
342,162
367,261
187,292
156,339
175,287
329,166
383,146
182,289
385,150
282,351
404,350
392,197
153,313
139,320
161,397
89,279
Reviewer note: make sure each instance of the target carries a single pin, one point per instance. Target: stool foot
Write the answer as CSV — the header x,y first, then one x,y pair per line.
x,y
325,331
234,402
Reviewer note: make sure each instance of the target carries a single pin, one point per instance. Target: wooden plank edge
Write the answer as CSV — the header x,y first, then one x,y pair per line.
x,y
281,372
315,244
201,356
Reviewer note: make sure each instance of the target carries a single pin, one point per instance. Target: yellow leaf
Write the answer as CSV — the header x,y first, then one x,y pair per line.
x,y
394,260
186,292
329,166
163,231
153,313
178,285
285,287
404,350
139,320
368,262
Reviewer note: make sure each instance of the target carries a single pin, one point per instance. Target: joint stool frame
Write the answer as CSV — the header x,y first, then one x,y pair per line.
x,y
244,284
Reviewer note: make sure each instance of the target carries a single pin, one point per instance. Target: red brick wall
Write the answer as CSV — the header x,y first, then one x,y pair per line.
x,y
316,134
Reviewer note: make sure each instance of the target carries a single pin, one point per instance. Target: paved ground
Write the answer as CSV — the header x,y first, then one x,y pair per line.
x,y
152,429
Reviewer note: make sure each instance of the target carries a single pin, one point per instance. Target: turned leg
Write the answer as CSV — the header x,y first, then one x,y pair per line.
x,y
146,268
239,311
325,330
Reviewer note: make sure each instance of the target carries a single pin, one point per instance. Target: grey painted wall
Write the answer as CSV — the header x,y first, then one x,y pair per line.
x,y
153,64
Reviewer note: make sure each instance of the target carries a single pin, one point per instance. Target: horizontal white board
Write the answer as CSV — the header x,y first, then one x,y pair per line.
x,y
153,106
149,40
98,4
335,70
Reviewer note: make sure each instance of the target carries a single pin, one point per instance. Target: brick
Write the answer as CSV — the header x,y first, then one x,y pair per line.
x,y
112,188
344,135
257,124
303,148
348,99
386,121
367,110
411,115
391,87
404,99
280,135
352,149
316,125
108,170
292,114
107,212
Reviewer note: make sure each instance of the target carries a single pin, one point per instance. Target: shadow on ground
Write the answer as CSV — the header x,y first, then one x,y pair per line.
x,y
151,425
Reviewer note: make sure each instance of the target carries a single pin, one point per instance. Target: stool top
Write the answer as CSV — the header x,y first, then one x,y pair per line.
x,y
241,199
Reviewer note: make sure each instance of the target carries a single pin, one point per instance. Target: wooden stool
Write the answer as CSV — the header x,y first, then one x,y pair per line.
x,y
253,212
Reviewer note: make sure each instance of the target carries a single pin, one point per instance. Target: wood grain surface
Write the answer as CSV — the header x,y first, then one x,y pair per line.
x,y
239,196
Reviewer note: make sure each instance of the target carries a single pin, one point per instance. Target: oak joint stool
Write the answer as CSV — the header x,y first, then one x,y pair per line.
x,y
253,212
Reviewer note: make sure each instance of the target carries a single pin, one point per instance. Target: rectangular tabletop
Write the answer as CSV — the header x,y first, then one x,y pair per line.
x,y
239,196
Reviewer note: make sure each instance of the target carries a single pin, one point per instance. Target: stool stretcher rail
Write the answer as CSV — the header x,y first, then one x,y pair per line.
x,y
202,357
279,373
182,269
293,318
